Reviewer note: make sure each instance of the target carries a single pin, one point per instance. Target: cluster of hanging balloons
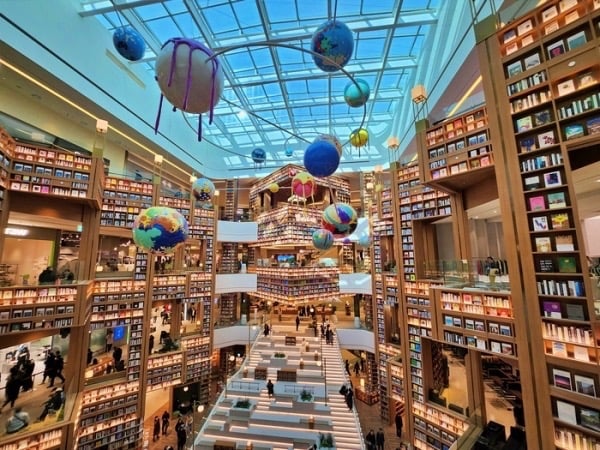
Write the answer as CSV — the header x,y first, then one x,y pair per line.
x,y
337,222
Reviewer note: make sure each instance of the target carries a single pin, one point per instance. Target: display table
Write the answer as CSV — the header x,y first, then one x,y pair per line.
x,y
370,397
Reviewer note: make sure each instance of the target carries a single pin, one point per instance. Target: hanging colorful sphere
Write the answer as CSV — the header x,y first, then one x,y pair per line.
x,y
321,158
274,188
259,156
322,239
203,190
359,137
303,185
332,140
289,152
292,172
160,229
129,43
333,40
188,79
340,218
356,94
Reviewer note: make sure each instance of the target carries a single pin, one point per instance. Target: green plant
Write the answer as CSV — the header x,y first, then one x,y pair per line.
x,y
245,403
325,440
279,355
305,396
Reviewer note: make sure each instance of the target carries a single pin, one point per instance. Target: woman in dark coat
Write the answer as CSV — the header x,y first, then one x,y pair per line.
x,y
12,388
156,430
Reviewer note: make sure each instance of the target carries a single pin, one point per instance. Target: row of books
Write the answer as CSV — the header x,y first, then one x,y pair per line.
x,y
527,82
541,162
575,335
569,288
579,106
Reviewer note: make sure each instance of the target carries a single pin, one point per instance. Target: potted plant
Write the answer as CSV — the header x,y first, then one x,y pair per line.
x,y
325,440
278,359
243,404
306,396
241,409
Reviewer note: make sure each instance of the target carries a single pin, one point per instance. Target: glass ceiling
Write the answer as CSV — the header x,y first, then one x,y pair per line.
x,y
276,98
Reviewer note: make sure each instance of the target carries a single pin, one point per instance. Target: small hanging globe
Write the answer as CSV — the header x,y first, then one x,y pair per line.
x,y
334,40
332,140
321,158
203,190
322,239
359,137
159,229
340,218
356,96
274,188
303,185
289,152
129,43
258,155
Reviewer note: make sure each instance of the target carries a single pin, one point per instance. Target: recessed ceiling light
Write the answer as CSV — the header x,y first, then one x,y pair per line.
x,y
242,114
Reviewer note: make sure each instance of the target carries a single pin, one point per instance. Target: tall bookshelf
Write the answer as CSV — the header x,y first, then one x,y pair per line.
x,y
543,71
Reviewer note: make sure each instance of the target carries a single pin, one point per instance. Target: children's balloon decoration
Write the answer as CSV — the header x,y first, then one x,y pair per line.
x,y
357,94
334,40
274,188
359,138
340,218
160,229
321,158
303,185
322,239
188,78
129,43
203,190
259,156
332,140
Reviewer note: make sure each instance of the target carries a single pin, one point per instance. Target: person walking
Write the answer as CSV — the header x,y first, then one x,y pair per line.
x,y
297,322
270,388
370,440
356,368
150,344
156,429
181,437
59,365
11,388
48,366
108,341
380,439
399,424
165,422
350,398
266,330
347,366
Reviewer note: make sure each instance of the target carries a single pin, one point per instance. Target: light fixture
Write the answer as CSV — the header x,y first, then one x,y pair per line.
x,y
369,186
186,388
418,94
393,143
158,159
10,231
216,192
101,126
193,178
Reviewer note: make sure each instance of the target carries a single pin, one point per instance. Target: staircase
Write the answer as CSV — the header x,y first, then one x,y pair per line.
x,y
284,422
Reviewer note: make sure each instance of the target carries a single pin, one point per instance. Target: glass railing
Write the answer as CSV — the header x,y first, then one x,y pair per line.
x,y
478,273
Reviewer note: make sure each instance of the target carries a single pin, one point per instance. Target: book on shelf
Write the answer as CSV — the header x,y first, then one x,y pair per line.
x,y
542,118
573,131
575,311
565,5
514,68
543,244
562,379
537,203
593,125
552,309
552,179
571,17
567,264
556,200
546,139
546,265
556,49
590,418
527,144
527,40
525,27
549,13
510,35
585,385
511,48
559,349
566,412
540,223
560,220
532,61
585,79
533,182
524,124
581,353
551,27
564,243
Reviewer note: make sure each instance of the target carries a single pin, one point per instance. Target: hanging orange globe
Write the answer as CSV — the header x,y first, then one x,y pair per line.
x,y
359,137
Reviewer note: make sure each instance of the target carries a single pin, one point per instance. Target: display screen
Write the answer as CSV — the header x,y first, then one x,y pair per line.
x,y
286,259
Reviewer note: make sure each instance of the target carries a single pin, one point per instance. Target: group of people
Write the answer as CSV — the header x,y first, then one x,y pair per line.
x,y
348,393
161,425
358,367
375,441
54,365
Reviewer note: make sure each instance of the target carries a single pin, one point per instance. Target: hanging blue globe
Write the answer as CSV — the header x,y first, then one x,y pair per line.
x,y
289,152
322,239
334,40
259,156
356,96
321,158
129,43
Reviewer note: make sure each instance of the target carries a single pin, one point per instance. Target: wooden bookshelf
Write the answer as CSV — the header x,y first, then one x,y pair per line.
x,y
301,283
544,74
122,201
458,152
